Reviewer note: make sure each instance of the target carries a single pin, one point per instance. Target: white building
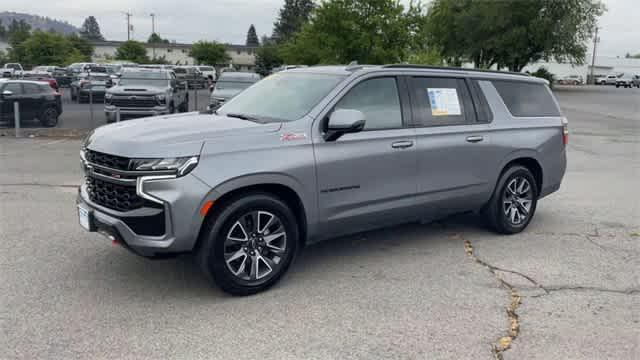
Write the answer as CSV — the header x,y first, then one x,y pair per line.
x,y
242,57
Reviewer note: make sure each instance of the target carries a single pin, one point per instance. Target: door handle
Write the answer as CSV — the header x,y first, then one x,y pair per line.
x,y
402,144
474,139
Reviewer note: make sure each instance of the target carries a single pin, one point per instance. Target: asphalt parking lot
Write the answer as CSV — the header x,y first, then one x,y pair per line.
x,y
568,286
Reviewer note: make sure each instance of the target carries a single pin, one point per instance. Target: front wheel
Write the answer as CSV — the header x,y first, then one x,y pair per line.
x,y
514,201
249,244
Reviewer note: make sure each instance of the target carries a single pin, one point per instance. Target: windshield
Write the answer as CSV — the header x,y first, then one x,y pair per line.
x,y
13,66
282,96
141,78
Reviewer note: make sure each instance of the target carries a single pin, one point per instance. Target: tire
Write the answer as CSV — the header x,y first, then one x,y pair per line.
x,y
223,239
73,95
500,217
49,117
172,109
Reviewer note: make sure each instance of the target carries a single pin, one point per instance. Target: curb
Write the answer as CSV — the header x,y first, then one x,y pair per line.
x,y
45,132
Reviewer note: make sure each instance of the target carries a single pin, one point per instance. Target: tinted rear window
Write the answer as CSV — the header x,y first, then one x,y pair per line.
x,y
524,99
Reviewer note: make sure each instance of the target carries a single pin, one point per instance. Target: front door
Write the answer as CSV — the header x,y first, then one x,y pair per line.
x,y
368,179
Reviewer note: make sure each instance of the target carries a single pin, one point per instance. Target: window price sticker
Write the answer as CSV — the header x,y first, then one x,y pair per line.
x,y
444,101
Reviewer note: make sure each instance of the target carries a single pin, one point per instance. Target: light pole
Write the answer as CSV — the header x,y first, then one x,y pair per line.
x,y
596,40
153,32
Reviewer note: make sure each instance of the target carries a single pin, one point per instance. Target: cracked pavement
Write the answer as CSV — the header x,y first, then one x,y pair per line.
x,y
409,292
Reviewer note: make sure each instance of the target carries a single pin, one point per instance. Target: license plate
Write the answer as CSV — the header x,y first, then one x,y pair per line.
x,y
84,217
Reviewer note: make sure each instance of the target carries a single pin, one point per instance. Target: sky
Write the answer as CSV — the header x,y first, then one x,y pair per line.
x,y
228,20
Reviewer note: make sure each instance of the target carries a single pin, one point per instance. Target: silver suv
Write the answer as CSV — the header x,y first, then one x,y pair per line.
x,y
145,92
314,153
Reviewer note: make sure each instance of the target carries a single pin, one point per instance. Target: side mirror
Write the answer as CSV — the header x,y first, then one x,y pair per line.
x,y
344,121
7,93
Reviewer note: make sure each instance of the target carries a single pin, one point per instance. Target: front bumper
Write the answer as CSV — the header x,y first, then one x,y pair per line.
x,y
174,225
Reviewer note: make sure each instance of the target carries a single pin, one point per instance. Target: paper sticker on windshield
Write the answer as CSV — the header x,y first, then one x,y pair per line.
x,y
444,101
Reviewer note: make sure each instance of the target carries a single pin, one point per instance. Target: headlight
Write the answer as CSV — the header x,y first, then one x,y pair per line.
x,y
108,96
182,165
161,97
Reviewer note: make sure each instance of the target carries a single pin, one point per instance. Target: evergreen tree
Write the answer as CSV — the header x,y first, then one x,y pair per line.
x,y
252,37
292,16
90,30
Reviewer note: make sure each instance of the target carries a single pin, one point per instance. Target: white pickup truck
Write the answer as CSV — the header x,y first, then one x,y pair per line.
x,y
11,70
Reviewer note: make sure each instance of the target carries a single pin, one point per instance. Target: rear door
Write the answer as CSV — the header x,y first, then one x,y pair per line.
x,y
368,179
453,144
32,101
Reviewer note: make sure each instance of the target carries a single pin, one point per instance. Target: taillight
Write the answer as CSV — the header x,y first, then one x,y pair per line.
x,y
565,131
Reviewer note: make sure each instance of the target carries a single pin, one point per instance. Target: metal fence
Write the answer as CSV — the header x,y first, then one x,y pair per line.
x,y
84,105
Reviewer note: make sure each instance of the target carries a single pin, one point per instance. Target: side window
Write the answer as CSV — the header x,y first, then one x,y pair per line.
x,y
442,101
15,88
31,89
378,99
483,110
526,99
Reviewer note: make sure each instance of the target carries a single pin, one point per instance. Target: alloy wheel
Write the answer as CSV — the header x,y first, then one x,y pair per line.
x,y
517,200
255,246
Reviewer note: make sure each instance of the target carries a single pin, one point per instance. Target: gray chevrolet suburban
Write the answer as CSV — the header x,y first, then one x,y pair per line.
x,y
314,153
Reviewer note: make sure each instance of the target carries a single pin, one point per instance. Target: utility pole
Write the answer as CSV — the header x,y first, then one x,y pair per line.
x,y
153,31
128,15
593,56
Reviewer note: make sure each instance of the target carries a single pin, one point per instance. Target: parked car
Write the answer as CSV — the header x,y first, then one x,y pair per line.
x,y
571,80
77,68
626,80
42,77
636,81
191,75
91,85
36,100
208,72
145,92
11,70
229,85
315,153
43,69
63,76
608,80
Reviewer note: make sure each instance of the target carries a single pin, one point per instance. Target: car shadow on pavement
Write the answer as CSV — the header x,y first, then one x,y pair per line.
x,y
180,278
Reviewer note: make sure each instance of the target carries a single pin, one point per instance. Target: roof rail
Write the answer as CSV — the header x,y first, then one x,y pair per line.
x,y
411,66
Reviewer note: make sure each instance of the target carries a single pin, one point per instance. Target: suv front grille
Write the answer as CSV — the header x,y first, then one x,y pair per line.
x,y
134,101
110,161
113,196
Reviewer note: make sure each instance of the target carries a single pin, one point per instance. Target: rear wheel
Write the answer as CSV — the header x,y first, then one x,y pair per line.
x,y
514,201
49,117
249,244
184,107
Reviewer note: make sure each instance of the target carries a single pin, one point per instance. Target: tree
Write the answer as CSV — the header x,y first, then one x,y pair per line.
x,y
368,31
293,14
85,49
252,37
90,30
267,58
511,33
133,51
3,31
46,48
155,38
18,32
209,53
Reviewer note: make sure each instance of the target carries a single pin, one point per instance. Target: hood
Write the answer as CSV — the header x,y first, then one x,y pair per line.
x,y
171,135
137,89
225,93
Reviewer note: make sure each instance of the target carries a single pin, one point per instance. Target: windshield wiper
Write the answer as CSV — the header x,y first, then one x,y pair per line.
x,y
243,117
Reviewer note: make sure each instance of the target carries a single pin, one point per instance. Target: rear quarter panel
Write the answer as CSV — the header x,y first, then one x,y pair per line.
x,y
512,137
